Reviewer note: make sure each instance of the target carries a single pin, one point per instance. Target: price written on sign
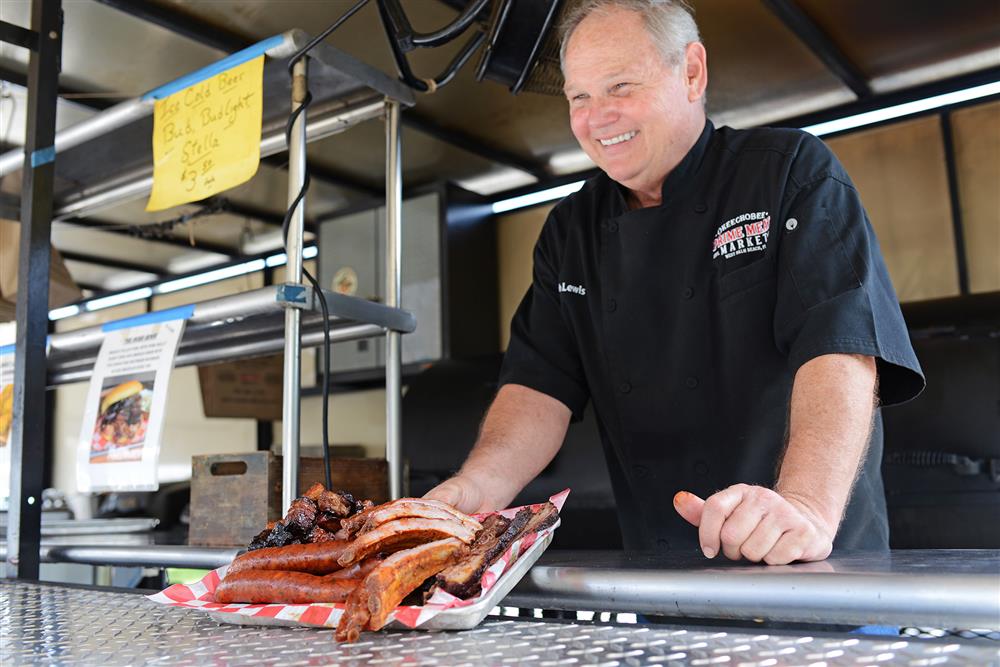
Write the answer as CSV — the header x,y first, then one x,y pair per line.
x,y
206,138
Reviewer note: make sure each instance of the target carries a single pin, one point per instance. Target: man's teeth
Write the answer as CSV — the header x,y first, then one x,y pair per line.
x,y
617,140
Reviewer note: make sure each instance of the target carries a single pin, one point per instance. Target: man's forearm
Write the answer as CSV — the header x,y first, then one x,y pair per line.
x,y
520,435
832,406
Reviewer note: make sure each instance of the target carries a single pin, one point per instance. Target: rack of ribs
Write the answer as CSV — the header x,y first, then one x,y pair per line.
x,y
402,534
370,604
403,508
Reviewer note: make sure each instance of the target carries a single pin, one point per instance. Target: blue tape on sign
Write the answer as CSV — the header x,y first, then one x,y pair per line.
x,y
238,58
179,313
7,349
43,156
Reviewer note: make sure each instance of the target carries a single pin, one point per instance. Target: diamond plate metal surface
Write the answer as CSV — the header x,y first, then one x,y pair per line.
x,y
56,625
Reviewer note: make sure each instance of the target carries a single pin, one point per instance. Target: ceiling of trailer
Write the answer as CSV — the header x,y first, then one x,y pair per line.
x,y
477,134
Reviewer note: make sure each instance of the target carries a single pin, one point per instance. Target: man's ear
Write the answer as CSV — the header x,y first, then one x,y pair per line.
x,y
696,70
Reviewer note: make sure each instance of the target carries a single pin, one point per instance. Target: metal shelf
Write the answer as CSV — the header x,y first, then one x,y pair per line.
x,y
108,159
243,325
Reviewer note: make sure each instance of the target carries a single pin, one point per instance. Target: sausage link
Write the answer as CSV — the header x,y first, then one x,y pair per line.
x,y
320,558
282,587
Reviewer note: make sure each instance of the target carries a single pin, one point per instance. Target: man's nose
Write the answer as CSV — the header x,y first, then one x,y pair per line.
x,y
603,112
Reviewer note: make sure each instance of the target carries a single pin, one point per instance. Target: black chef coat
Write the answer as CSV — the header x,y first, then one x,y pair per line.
x,y
686,322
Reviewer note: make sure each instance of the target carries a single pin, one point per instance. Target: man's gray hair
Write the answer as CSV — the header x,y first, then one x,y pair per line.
x,y
670,24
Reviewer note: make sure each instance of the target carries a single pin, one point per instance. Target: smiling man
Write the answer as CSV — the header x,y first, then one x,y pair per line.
x,y
720,297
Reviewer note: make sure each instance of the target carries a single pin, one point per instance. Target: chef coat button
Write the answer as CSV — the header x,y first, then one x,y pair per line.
x,y
791,224
701,467
612,226
687,293
700,208
612,305
624,387
691,382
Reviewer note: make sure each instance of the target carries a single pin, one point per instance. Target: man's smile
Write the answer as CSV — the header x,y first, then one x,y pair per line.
x,y
611,141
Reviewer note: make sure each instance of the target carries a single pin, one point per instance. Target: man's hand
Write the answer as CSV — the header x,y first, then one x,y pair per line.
x,y
756,523
461,493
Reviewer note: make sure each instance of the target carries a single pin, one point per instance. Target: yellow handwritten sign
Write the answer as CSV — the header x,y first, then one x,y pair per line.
x,y
206,138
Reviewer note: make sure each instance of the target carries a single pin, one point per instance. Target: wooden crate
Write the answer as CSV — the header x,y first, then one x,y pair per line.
x,y
234,496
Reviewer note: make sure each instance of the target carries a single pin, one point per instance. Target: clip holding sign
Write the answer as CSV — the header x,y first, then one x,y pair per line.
x,y
291,295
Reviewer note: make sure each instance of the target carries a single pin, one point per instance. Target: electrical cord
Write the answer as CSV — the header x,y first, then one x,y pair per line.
x,y
307,100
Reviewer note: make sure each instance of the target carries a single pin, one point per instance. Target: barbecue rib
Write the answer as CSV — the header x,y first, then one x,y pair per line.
x,y
401,509
370,604
354,617
402,572
403,534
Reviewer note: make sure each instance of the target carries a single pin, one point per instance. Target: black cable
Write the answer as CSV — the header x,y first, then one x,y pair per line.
x,y
326,376
306,101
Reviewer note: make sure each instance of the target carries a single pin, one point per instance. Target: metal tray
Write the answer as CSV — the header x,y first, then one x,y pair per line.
x,y
459,618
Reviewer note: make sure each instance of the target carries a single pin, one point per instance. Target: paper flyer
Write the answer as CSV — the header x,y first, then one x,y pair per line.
x,y
206,137
119,444
6,414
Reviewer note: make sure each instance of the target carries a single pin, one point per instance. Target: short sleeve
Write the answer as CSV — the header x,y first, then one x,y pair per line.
x,y
542,353
834,292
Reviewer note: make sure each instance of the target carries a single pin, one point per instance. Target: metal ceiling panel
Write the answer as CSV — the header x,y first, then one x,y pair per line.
x,y
758,70
902,43
107,278
99,245
107,50
13,114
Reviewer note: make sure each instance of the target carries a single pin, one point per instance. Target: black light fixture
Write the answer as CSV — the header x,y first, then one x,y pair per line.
x,y
522,51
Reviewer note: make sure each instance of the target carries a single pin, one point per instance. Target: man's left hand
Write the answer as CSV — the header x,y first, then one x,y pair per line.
x,y
756,523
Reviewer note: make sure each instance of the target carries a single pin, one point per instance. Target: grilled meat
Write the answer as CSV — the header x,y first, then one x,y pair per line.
x,y
403,534
463,579
370,604
271,586
312,558
402,509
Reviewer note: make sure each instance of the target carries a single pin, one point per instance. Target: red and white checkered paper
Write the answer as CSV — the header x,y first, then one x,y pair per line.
x,y
201,595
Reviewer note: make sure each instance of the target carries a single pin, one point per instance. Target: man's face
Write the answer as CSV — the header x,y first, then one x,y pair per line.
x,y
630,111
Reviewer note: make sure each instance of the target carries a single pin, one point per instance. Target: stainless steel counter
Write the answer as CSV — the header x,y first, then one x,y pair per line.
x,y
947,589
44,624
935,588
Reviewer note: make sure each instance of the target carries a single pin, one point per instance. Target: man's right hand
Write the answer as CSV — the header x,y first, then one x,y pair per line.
x,y
463,494
521,433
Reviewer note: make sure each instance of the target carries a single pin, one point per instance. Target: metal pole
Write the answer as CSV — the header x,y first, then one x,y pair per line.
x,y
393,355
293,341
27,454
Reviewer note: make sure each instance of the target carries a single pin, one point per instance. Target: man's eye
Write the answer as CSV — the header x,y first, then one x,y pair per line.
x,y
619,86
579,98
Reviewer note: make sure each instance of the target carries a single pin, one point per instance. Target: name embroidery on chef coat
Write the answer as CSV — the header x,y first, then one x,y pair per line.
x,y
742,235
573,289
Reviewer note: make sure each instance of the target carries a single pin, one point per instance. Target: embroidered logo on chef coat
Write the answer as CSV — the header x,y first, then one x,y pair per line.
x,y
742,235
573,289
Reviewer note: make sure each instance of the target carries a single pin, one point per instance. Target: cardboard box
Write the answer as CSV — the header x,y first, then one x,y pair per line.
x,y
62,289
233,497
250,388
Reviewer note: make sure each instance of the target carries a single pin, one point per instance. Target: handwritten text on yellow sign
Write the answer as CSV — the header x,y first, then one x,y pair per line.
x,y
206,138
